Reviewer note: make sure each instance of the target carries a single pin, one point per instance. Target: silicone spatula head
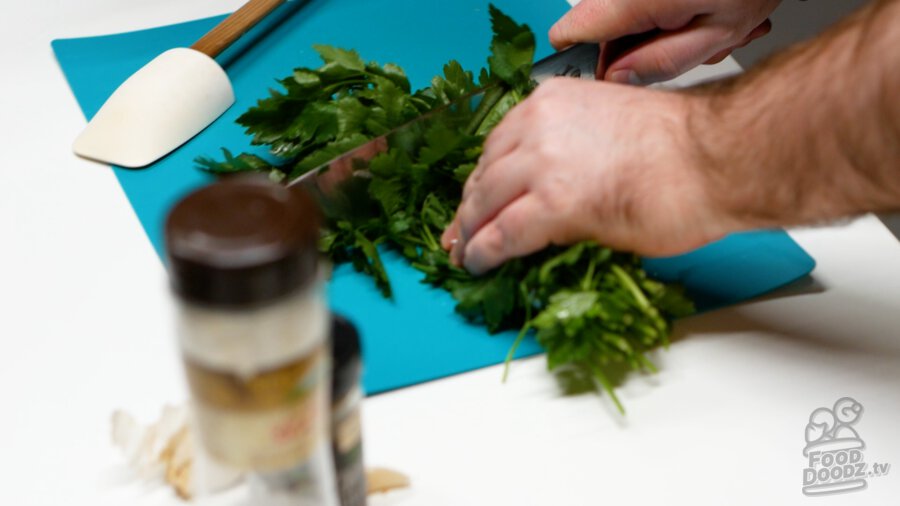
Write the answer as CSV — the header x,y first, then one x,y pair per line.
x,y
158,108
169,100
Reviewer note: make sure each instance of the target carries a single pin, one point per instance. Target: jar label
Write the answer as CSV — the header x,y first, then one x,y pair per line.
x,y
270,421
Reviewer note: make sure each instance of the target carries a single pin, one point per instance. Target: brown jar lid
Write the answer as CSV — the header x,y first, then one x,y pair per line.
x,y
242,241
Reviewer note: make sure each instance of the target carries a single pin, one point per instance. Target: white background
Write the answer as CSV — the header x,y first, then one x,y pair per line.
x,y
86,327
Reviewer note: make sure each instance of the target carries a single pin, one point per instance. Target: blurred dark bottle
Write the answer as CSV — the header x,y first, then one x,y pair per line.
x,y
346,401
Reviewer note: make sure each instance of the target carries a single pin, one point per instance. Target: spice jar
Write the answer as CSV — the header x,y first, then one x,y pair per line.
x,y
346,424
253,332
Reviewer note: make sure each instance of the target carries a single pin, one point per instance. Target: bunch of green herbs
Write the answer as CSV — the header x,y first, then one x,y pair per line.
x,y
594,311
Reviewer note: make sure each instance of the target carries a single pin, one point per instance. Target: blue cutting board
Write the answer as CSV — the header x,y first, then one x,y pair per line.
x,y
416,337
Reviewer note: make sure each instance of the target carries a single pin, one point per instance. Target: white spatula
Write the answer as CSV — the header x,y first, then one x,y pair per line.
x,y
169,100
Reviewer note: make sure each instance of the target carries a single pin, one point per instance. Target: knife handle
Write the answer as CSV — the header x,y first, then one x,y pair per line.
x,y
231,28
579,61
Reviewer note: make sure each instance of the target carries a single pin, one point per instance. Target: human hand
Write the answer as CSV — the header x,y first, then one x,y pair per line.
x,y
582,160
686,33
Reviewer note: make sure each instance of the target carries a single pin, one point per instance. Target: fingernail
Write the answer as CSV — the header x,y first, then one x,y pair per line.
x,y
450,236
625,77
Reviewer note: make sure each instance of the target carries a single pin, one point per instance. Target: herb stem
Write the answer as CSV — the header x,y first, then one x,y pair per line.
x,y
526,300
512,350
430,241
607,386
491,97
632,287
589,275
648,365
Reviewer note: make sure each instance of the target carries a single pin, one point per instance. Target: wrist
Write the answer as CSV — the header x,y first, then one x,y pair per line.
x,y
763,153
715,164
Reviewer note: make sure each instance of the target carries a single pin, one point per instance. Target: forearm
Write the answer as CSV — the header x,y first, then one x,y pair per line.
x,y
812,134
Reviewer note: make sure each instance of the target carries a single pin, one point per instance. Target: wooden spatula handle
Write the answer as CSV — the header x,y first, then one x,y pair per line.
x,y
231,28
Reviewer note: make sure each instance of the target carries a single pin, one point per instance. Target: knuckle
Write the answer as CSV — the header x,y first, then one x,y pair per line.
x,y
471,183
504,235
590,11
666,64
492,138
485,250
555,195
469,187
545,153
559,32
732,34
495,240
508,228
542,108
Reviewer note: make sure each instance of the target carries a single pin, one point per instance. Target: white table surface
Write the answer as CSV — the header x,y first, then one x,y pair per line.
x,y
86,327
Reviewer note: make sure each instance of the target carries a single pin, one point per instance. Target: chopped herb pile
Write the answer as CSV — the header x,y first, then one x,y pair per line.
x,y
593,310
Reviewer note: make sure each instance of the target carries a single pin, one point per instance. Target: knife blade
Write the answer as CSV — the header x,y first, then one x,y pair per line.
x,y
579,61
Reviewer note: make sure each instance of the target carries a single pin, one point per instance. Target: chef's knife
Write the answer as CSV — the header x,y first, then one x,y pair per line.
x,y
578,61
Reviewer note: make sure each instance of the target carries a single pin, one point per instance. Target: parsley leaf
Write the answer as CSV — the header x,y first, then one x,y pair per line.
x,y
512,50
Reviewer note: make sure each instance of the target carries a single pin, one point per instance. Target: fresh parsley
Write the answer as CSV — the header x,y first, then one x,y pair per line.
x,y
595,311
